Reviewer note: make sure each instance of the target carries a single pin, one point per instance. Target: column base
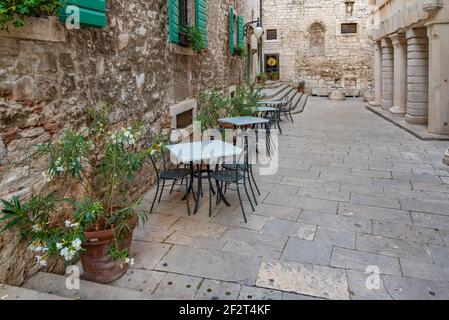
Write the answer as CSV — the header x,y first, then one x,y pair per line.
x,y
416,119
396,111
446,158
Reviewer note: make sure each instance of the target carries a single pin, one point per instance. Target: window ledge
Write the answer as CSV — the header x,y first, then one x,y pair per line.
x,y
184,51
35,28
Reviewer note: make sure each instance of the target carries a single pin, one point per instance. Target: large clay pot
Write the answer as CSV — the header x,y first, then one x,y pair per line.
x,y
275,77
97,266
301,89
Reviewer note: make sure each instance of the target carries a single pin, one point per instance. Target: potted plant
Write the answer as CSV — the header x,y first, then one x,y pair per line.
x,y
240,52
274,75
211,107
15,12
262,78
195,38
244,102
97,222
301,86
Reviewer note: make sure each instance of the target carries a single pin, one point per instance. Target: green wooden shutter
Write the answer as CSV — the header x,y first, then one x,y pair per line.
x,y
231,31
92,12
201,20
240,33
173,21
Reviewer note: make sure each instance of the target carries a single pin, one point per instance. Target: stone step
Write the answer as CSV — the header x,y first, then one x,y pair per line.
x,y
16,293
300,104
271,93
287,92
53,284
272,84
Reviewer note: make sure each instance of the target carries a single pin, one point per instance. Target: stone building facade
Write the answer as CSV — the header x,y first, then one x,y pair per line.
x,y
411,67
324,42
49,75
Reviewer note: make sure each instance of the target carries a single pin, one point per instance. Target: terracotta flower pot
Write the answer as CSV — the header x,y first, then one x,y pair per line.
x,y
301,89
97,266
226,126
275,78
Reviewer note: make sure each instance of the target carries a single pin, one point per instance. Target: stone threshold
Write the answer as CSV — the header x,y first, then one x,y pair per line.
x,y
417,130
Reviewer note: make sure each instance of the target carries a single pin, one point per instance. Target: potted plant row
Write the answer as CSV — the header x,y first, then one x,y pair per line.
x,y
94,223
262,78
274,75
213,106
195,38
301,86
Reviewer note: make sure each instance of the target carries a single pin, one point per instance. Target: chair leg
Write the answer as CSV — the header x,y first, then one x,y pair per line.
x,y
246,191
291,117
254,180
251,187
279,127
210,201
162,191
241,204
210,192
173,185
187,193
155,196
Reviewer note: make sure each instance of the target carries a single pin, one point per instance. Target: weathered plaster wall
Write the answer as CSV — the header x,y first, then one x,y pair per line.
x,y
345,57
44,87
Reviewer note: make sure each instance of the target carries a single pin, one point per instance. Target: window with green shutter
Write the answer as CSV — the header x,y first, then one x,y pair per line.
x,y
173,21
92,13
201,20
231,31
187,13
236,32
240,33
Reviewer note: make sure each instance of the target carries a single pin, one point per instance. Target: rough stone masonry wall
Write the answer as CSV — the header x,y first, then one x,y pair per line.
x,y
44,87
345,58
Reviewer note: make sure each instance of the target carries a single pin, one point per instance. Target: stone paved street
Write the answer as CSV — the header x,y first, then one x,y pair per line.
x,y
352,191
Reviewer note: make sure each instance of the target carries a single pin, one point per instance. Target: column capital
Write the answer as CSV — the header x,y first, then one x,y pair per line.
x,y
398,39
386,43
416,33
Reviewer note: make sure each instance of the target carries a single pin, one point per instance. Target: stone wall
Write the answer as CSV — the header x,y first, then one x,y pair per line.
x,y
311,47
46,85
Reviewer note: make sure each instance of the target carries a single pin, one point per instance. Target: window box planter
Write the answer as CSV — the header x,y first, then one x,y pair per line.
x,y
38,28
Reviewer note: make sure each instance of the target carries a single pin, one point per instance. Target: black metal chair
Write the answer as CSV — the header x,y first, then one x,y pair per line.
x,y
168,175
286,110
226,177
246,168
275,116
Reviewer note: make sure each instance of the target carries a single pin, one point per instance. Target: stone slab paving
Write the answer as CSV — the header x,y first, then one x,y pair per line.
x,y
353,194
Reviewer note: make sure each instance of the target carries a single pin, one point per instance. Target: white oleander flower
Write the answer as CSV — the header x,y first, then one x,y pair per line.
x,y
59,246
129,261
67,254
67,223
76,244
60,169
37,228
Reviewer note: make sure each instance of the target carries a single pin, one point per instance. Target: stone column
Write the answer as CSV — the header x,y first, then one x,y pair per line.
x,y
417,76
387,74
378,74
438,33
400,74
